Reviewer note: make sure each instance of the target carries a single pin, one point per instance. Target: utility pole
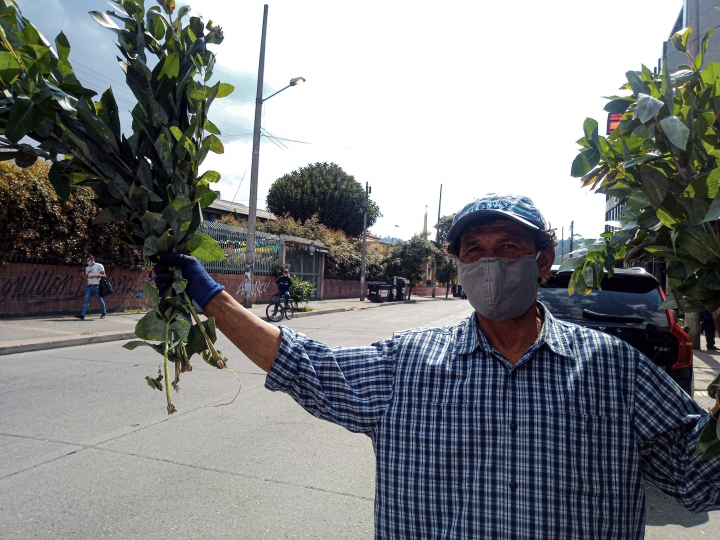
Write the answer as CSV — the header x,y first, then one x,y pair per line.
x,y
572,233
363,288
562,245
252,214
437,240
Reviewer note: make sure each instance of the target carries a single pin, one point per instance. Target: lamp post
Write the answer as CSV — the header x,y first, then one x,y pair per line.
x,y
252,214
437,242
363,287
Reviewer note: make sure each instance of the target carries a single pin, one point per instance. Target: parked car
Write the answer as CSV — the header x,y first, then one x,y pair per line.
x,y
626,307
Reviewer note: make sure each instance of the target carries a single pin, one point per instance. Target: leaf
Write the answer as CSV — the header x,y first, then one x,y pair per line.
x,y
655,185
677,132
618,106
9,69
151,327
152,294
210,127
205,248
572,264
132,345
62,45
636,83
713,212
210,176
111,213
60,182
104,20
204,195
705,186
679,39
25,116
647,107
225,89
167,5
179,330
170,67
215,145
584,162
25,159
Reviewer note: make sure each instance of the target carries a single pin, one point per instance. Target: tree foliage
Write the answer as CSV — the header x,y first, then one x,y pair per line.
x,y
662,162
326,190
408,259
344,257
150,181
37,223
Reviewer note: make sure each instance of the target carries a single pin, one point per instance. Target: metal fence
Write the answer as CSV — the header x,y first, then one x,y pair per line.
x,y
233,240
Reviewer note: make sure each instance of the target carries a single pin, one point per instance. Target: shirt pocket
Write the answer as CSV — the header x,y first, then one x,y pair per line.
x,y
585,462
445,441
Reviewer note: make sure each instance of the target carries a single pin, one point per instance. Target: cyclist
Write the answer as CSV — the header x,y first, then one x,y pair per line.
x,y
284,283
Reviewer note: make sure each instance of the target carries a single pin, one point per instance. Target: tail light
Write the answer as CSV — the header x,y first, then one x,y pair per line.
x,y
685,348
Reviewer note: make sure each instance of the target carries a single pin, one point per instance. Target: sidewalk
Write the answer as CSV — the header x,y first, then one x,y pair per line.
x,y
51,332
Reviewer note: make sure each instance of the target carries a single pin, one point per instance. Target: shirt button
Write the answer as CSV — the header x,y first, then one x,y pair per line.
x,y
513,426
513,485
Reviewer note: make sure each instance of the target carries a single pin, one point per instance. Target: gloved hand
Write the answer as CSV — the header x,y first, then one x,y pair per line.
x,y
200,287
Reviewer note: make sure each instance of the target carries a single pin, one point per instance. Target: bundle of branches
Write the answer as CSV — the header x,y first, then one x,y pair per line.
x,y
663,162
149,180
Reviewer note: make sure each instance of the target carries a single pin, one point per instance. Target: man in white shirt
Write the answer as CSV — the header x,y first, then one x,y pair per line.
x,y
93,272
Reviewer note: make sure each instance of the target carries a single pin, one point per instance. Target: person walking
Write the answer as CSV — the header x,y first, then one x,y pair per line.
x,y
93,272
509,424
707,323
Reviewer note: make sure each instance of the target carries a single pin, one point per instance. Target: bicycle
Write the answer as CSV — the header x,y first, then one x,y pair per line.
x,y
276,310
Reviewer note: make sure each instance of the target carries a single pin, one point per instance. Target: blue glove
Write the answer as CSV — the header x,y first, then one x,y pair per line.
x,y
200,287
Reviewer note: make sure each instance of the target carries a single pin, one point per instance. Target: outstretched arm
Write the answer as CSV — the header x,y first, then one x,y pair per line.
x,y
258,340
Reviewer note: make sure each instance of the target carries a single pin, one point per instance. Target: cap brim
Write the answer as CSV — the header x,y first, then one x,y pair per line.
x,y
460,225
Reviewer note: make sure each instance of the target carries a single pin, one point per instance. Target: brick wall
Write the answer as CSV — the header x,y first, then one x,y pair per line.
x,y
28,289
340,288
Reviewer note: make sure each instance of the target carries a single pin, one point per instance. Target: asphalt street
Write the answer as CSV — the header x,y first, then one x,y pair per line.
x,y
88,450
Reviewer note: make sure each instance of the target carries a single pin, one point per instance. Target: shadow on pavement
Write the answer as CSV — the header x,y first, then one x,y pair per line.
x,y
661,510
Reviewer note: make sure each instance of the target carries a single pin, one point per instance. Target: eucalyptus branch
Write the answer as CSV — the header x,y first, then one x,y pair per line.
x,y
170,407
220,362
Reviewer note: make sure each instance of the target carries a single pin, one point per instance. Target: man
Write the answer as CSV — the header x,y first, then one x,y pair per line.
x,y
707,324
510,424
284,283
93,272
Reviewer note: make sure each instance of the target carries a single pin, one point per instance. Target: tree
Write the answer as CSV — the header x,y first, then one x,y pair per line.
x,y
662,160
443,227
407,259
326,190
150,181
446,271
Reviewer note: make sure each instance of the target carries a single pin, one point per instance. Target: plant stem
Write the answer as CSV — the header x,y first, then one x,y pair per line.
x,y
171,408
213,352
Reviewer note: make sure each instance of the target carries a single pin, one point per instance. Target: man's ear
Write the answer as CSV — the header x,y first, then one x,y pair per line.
x,y
545,262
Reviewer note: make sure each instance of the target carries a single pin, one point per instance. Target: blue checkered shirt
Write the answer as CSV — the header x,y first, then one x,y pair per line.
x,y
469,446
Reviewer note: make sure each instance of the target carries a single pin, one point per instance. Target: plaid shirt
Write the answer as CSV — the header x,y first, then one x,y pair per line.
x,y
469,446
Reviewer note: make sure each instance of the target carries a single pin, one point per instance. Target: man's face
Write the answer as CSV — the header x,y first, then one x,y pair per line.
x,y
88,261
500,238
504,238
286,273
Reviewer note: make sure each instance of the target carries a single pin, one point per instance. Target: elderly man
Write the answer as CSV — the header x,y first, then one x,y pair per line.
x,y
510,424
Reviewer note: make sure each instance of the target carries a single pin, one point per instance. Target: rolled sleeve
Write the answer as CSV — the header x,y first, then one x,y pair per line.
x,y
668,425
351,387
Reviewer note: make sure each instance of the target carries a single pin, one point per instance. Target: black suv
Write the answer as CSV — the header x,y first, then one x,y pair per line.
x,y
626,307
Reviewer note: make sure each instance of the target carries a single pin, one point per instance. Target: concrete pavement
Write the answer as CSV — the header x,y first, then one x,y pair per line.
x,y
52,332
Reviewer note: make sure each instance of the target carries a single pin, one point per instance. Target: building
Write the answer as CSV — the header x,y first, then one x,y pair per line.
x,y
220,208
698,15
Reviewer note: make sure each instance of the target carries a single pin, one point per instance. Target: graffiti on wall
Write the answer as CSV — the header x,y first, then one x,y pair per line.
x,y
51,285
258,290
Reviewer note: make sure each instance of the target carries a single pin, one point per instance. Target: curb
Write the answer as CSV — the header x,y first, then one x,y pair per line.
x,y
103,338
60,343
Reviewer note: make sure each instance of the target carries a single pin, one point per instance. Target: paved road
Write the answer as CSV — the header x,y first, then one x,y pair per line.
x,y
88,451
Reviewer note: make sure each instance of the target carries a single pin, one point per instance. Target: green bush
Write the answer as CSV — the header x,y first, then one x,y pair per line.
x,y
302,292
36,222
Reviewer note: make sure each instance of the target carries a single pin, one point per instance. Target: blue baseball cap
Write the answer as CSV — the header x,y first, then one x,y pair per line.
x,y
516,207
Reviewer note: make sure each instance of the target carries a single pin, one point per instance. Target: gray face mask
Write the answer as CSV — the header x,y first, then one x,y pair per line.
x,y
500,289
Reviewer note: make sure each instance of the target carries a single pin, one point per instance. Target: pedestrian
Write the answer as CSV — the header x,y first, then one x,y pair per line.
x,y
92,272
284,283
707,324
510,424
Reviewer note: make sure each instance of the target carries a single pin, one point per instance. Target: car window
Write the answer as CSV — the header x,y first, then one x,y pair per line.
x,y
617,303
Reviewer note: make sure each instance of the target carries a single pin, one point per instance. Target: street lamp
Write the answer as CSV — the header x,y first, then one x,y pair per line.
x,y
252,214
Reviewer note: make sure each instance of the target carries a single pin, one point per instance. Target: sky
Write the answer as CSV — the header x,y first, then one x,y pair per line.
x,y
476,96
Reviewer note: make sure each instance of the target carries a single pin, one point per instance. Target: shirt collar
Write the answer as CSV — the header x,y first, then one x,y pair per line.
x,y
470,337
